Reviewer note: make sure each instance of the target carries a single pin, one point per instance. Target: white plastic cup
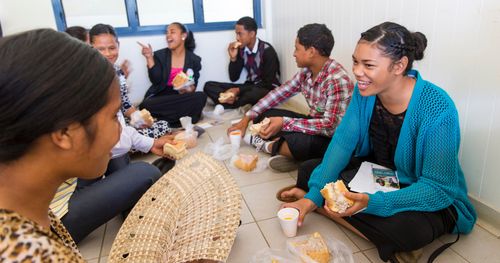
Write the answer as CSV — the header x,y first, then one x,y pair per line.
x,y
235,139
288,220
218,110
185,122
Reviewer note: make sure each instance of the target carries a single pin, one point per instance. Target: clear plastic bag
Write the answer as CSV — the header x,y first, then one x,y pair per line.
x,y
219,150
190,137
339,252
269,255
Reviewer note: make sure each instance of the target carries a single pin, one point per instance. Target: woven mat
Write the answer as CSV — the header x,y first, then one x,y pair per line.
x,y
191,213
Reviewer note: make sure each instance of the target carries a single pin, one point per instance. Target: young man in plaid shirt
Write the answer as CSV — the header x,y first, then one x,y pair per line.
x,y
292,137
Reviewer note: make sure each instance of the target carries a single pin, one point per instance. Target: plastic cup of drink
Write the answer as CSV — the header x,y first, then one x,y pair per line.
x,y
185,122
235,138
288,220
218,110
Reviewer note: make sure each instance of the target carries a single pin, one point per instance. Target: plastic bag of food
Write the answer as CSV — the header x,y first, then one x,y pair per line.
x,y
314,248
190,137
269,255
219,150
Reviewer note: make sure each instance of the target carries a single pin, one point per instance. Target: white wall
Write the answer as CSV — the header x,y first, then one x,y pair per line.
x,y
462,57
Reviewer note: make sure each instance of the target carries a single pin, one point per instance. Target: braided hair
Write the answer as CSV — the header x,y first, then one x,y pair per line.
x,y
396,42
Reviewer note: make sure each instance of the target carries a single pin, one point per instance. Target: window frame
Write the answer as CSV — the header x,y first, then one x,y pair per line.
x,y
134,29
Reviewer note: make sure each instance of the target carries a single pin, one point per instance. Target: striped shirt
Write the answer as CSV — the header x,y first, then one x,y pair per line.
x,y
327,97
59,204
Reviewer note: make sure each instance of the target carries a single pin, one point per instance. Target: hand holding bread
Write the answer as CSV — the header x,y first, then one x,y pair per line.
x,y
175,151
256,128
334,196
275,126
357,202
141,119
226,96
233,49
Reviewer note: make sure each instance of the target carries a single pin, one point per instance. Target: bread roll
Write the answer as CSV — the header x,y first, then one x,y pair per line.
x,y
256,128
176,151
180,79
334,195
246,162
225,96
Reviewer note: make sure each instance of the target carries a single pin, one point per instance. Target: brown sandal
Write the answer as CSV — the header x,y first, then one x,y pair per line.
x,y
286,199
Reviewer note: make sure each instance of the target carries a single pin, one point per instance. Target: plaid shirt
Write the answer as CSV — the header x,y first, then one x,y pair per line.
x,y
327,98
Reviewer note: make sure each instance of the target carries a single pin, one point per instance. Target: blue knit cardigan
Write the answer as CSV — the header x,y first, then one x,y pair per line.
x,y
426,156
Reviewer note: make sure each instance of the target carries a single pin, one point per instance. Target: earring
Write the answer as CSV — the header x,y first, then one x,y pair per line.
x,y
183,38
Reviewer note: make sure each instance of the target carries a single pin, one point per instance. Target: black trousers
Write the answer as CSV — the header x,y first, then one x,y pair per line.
x,y
404,231
96,201
249,93
171,107
302,146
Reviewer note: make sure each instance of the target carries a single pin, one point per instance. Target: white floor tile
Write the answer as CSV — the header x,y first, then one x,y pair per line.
x,y
372,255
478,246
112,228
261,198
360,242
446,256
90,247
248,241
95,260
360,258
246,216
103,260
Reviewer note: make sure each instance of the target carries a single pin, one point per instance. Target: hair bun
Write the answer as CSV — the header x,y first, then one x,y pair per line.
x,y
420,44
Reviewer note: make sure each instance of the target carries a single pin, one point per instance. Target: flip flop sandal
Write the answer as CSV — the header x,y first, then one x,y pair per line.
x,y
286,199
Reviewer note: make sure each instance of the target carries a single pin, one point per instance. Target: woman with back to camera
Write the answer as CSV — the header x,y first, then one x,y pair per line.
x,y
161,99
104,39
401,121
58,121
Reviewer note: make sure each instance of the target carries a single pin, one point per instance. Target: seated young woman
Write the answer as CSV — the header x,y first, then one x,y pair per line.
x,y
162,99
104,39
401,121
58,122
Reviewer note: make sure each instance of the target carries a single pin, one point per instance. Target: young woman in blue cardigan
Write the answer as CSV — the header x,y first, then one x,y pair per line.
x,y
401,121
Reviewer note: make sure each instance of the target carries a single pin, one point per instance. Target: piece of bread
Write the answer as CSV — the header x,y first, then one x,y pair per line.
x,y
313,248
246,162
225,96
334,195
180,79
146,116
237,44
176,151
256,128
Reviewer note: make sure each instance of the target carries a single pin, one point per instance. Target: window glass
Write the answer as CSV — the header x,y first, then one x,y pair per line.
x,y
90,12
226,10
155,12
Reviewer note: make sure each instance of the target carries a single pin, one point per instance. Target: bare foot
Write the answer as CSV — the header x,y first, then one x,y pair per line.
x,y
294,192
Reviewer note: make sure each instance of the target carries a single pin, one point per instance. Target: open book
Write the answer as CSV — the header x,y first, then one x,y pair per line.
x,y
372,178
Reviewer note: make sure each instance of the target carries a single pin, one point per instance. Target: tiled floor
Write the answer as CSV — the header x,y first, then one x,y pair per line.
x,y
260,228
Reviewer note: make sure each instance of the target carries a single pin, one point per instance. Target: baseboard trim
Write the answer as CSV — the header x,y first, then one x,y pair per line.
x,y
488,217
